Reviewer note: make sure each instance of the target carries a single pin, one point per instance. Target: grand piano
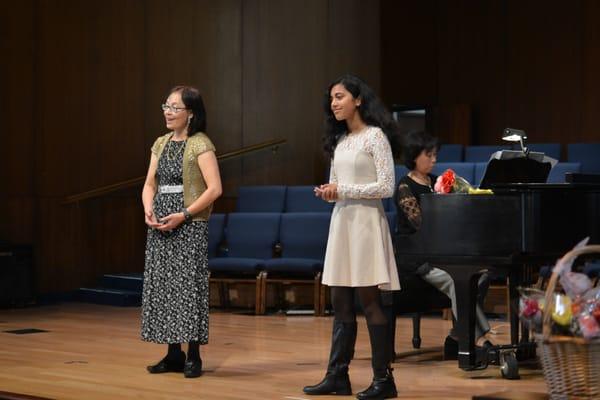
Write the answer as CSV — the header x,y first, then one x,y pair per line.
x,y
519,227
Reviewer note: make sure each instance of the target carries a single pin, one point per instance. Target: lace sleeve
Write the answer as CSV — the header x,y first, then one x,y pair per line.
x,y
332,175
408,205
378,145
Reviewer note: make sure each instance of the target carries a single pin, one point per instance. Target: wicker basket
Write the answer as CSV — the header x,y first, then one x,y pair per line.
x,y
571,365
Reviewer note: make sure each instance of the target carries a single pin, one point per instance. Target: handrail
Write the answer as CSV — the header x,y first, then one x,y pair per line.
x,y
137,181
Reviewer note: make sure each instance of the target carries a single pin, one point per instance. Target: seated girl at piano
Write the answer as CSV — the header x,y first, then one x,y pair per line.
x,y
420,152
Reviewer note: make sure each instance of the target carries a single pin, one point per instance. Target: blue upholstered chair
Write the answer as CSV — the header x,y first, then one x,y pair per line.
x,y
482,153
588,154
464,169
544,275
400,171
303,199
302,240
261,199
251,238
557,174
592,270
216,232
549,149
450,153
392,218
388,204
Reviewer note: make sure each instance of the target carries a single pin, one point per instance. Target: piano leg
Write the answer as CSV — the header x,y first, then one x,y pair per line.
x,y
526,349
465,281
514,279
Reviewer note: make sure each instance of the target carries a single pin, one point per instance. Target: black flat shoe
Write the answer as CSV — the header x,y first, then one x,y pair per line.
x,y
450,349
168,365
192,368
487,353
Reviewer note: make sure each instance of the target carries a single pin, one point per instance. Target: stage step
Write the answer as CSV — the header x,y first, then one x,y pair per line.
x,y
124,290
131,282
113,297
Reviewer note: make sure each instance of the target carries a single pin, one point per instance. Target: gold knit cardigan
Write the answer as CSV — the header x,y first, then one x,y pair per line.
x,y
193,180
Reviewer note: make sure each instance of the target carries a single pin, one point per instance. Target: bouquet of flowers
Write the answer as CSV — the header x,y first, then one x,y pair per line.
x,y
449,182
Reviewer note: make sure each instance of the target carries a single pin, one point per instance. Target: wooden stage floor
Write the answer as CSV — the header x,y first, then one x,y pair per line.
x,y
94,352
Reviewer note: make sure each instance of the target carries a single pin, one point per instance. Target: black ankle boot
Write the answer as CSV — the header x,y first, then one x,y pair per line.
x,y
168,364
380,388
383,385
338,384
336,379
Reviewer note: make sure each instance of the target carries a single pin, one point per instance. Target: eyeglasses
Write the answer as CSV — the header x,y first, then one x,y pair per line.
x,y
173,109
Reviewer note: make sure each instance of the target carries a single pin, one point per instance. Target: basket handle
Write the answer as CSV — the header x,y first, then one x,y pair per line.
x,y
549,298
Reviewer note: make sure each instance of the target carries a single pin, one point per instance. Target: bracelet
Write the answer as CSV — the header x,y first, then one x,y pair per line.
x,y
186,214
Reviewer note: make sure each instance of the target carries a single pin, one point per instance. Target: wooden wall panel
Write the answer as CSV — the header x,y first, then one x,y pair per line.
x,y
17,107
471,59
544,64
590,80
528,65
354,40
284,75
409,52
96,74
198,44
63,95
91,118
93,74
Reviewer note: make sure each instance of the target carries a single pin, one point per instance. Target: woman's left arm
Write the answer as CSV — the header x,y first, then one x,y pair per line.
x,y
209,167
384,165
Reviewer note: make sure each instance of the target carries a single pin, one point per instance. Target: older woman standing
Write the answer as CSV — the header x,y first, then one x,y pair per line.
x,y
181,185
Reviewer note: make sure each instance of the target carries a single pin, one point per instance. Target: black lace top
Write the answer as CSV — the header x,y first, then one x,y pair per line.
x,y
407,197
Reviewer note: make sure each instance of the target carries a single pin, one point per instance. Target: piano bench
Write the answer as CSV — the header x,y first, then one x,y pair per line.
x,y
415,297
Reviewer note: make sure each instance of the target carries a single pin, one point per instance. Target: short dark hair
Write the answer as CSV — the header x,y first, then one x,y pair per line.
x,y
414,143
191,98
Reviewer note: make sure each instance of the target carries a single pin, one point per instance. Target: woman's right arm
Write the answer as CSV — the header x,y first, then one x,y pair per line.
x,y
407,203
149,192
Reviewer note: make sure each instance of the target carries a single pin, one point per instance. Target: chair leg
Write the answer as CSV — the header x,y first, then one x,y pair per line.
x,y
224,294
259,301
447,314
279,296
416,340
317,295
323,299
263,297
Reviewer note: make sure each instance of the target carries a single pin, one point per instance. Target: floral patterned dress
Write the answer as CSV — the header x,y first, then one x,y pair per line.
x,y
175,296
359,247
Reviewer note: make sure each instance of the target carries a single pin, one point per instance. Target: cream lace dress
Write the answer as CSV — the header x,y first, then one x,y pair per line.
x,y
359,248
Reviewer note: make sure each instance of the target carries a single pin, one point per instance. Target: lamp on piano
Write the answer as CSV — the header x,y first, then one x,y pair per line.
x,y
516,135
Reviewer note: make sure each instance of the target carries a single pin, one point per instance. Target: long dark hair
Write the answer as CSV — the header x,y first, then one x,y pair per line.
x,y
414,144
372,111
192,100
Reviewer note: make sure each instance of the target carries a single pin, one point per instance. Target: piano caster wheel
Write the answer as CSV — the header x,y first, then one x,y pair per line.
x,y
509,367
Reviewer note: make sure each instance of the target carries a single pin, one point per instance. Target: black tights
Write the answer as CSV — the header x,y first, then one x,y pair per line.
x,y
193,350
342,299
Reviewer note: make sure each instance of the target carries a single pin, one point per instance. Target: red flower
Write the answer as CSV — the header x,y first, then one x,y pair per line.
x,y
449,182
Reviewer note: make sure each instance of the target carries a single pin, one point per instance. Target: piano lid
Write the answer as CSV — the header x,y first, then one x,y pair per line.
x,y
509,166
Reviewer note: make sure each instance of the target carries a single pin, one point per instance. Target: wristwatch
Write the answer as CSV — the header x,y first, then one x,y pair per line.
x,y
186,214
